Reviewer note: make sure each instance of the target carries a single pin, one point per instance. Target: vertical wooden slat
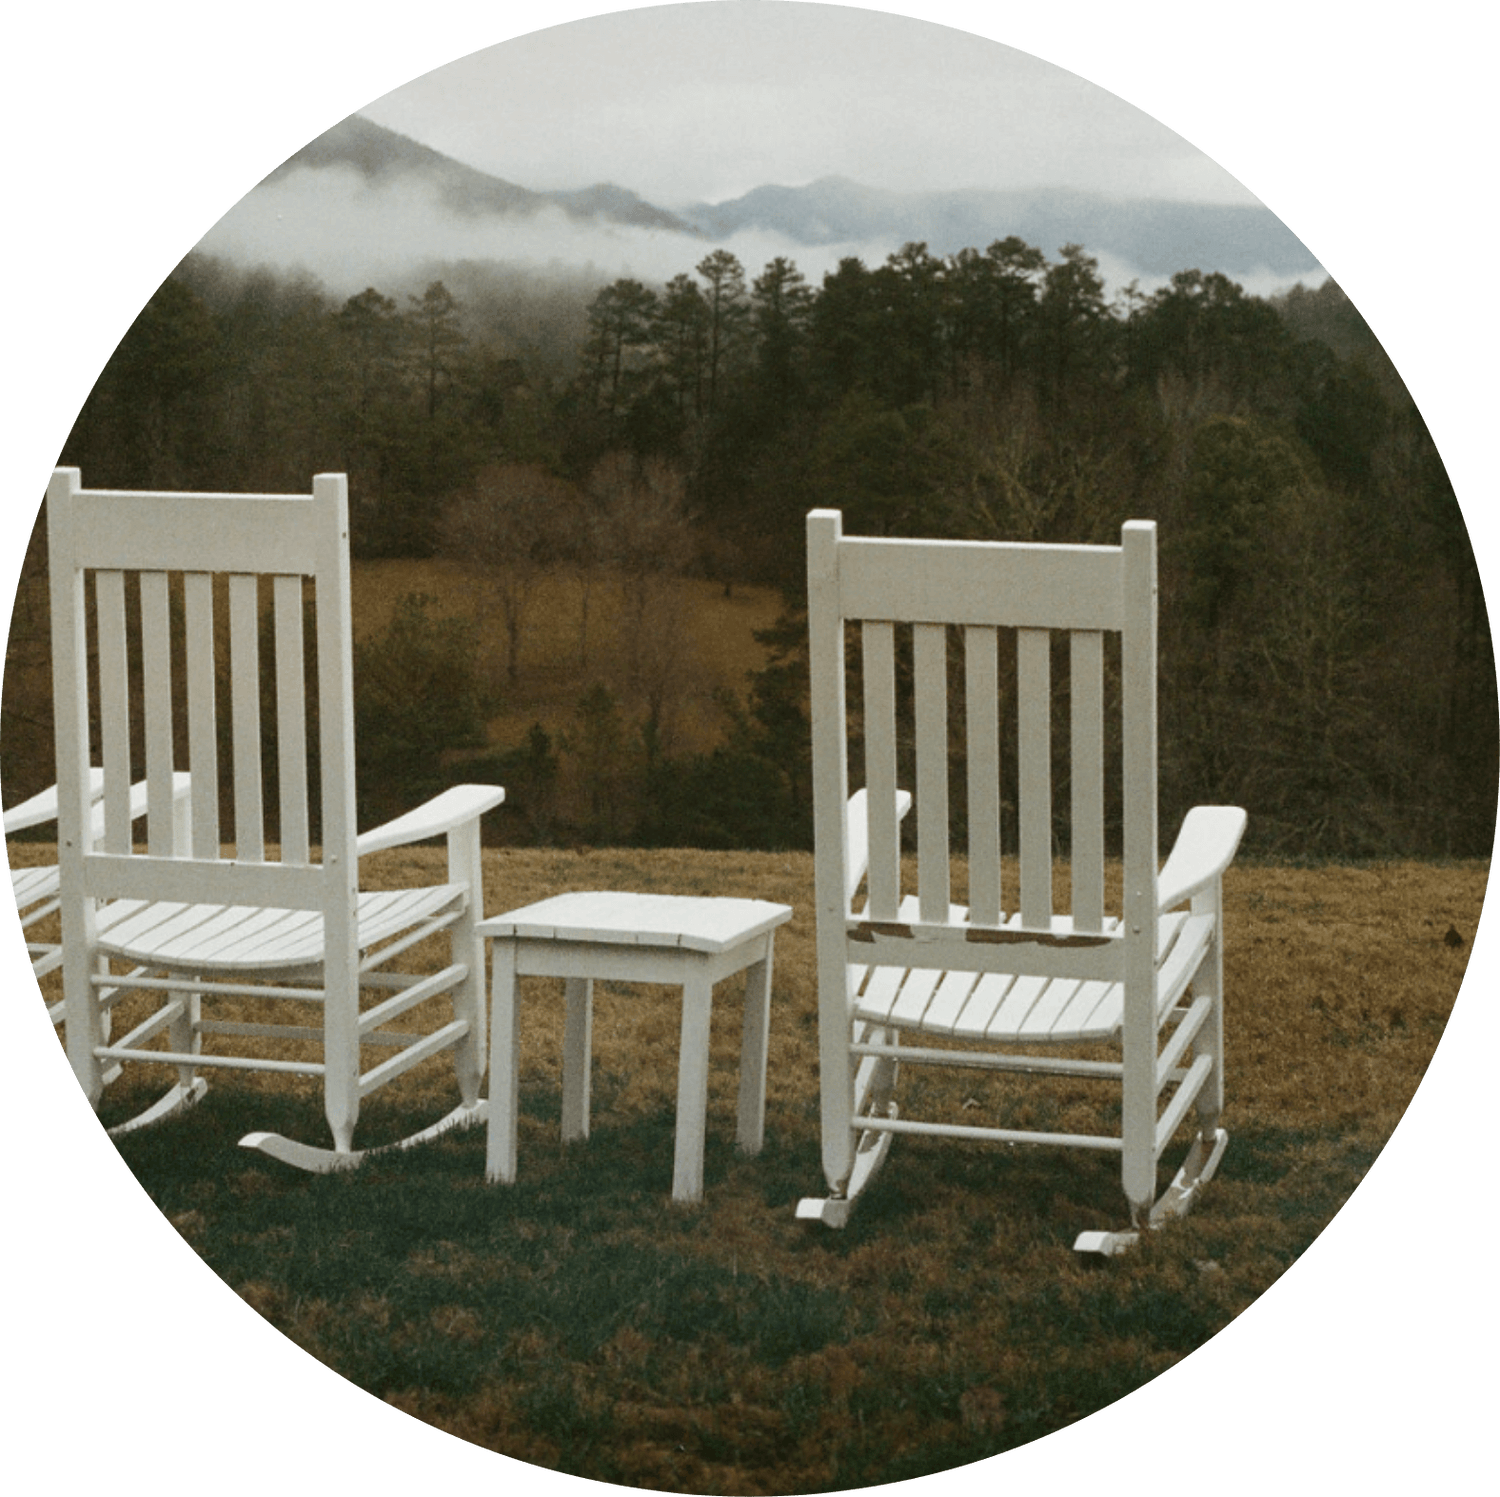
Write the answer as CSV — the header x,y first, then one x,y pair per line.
x,y
982,723
930,673
114,709
879,664
156,681
291,721
1034,747
203,747
244,674
1086,714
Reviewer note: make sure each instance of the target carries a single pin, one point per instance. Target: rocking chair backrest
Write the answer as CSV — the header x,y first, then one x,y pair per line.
x,y
992,601
178,558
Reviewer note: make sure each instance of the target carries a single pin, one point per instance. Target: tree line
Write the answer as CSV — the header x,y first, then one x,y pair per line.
x,y
1326,655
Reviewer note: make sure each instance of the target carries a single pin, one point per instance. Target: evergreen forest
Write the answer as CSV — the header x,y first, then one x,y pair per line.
x,y
1325,651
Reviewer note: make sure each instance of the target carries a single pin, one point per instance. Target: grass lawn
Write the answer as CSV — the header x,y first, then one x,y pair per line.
x,y
579,1322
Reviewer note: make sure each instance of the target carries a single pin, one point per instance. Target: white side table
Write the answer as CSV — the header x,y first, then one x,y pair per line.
x,y
658,938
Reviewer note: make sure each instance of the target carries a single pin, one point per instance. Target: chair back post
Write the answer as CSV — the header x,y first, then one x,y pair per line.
x,y
70,711
335,655
1139,1035
830,773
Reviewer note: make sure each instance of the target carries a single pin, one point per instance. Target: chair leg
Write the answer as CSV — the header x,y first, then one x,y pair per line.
x,y
874,1086
750,1131
185,1036
340,1076
1209,1040
84,1023
468,951
692,1089
341,1057
500,1139
577,1058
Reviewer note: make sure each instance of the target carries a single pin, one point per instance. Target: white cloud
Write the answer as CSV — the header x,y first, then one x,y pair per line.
x,y
704,102
350,235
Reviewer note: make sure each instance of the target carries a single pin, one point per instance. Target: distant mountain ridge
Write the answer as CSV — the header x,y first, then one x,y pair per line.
x,y
1155,237
384,157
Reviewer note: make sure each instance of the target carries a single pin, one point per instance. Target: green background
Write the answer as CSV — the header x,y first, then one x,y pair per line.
x,y
129,129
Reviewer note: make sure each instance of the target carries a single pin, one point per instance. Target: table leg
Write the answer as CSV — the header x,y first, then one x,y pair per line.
x,y
505,1065
750,1130
692,1089
577,1049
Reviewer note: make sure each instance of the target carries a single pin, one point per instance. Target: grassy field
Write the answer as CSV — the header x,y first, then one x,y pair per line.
x,y
692,640
578,1322
674,648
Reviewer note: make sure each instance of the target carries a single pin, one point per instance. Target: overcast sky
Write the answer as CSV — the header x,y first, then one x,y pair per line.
x,y
693,103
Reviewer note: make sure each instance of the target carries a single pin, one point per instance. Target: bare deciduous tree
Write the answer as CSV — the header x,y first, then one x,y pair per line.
x,y
509,530
647,538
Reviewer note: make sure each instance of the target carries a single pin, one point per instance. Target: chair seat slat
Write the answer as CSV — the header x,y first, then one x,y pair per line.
x,y
948,1002
915,997
980,1006
219,938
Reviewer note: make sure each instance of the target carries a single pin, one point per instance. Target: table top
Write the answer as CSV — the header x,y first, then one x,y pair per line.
x,y
689,922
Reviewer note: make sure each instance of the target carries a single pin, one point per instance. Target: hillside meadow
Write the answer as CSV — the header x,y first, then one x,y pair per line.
x,y
578,1322
667,648
687,635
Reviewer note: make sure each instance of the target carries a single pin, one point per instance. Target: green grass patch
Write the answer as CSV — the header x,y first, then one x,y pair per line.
x,y
578,1320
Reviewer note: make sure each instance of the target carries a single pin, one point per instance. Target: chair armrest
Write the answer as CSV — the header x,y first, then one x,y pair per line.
x,y
1205,847
42,807
857,847
434,818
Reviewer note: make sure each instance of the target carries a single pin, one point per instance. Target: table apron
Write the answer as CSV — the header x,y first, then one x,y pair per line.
x,y
672,965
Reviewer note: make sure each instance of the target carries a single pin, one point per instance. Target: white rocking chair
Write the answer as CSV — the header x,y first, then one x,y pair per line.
x,y
200,925
1006,981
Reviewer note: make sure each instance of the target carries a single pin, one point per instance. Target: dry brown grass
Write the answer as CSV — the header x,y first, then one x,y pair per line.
x,y
698,642
698,639
577,1323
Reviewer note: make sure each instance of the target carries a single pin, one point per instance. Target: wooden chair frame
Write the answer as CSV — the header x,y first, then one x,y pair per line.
x,y
199,923
1148,978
